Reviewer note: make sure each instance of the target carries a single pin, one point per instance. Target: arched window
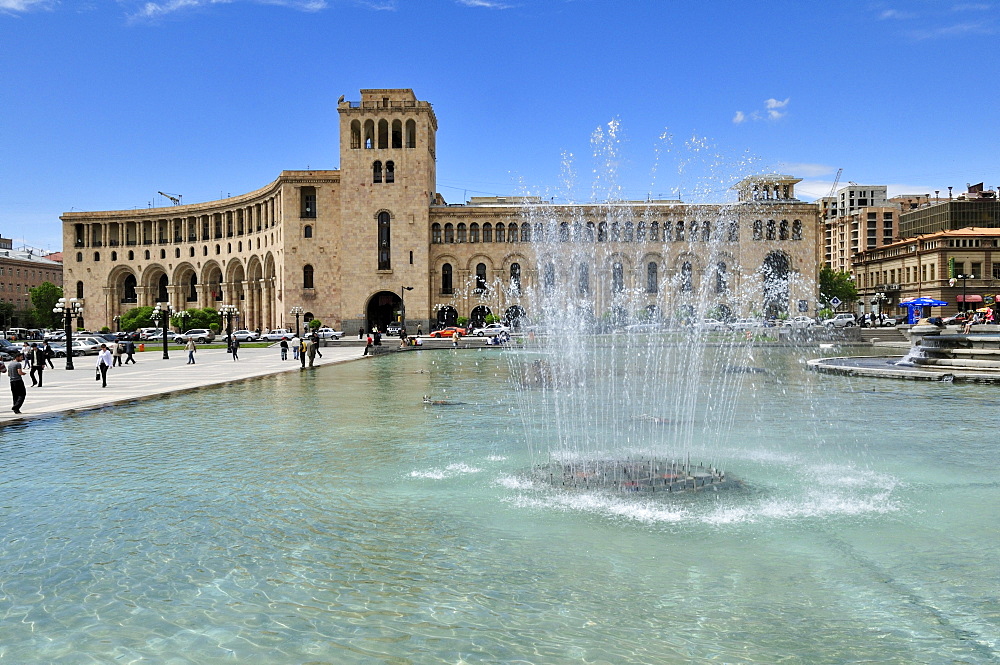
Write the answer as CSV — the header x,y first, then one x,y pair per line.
x,y
446,279
411,134
679,236
758,229
783,230
307,231
436,233
79,256
640,232
369,134
602,232
384,261
652,278
192,294
128,290
161,290
97,255
797,229
668,232
617,278
460,233
499,232
163,254
355,135
177,252
693,231
487,232
512,233
146,254
628,232
474,232
583,279
114,255
383,134
449,232
686,284
734,231
131,255
771,229
721,278
615,232
480,277
515,278
706,232
79,289
654,231
397,134
526,232
549,277
390,171
191,250
307,277
377,172
564,232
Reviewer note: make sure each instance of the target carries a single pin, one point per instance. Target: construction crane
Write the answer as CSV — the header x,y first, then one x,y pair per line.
x,y
174,198
833,190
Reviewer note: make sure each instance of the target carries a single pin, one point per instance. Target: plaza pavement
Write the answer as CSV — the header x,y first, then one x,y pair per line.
x,y
66,391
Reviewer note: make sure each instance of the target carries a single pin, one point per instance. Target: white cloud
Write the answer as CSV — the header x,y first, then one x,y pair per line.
x,y
488,4
806,170
773,110
22,5
152,10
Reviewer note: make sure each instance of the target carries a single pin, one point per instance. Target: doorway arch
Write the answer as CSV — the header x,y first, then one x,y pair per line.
x,y
382,309
477,318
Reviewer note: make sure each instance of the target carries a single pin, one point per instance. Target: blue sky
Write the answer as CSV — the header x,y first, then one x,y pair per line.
x,y
106,102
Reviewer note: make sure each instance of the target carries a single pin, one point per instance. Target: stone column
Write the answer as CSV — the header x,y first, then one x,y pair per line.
x,y
267,305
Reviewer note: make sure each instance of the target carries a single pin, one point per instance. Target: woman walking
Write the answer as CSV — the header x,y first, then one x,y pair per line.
x,y
104,360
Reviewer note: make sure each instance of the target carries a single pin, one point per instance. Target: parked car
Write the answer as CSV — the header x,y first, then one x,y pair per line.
x,y
842,320
87,346
710,325
800,322
157,336
957,320
492,330
200,335
245,336
277,335
329,333
59,349
746,324
448,332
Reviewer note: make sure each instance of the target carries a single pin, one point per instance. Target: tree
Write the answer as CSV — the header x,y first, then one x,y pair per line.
x,y
6,314
834,284
136,318
44,297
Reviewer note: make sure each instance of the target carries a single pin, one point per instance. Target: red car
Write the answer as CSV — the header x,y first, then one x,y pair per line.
x,y
448,332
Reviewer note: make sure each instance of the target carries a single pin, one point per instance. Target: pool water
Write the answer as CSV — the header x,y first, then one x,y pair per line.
x,y
334,517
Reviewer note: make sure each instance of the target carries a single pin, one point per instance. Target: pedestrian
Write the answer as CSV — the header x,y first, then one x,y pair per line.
x,y
37,365
420,330
296,345
49,355
117,352
312,349
191,349
378,337
284,348
315,341
15,373
455,336
303,345
104,361
369,350
129,352
361,333
236,348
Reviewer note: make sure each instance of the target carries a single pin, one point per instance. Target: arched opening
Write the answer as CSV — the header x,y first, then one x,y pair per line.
x,y
383,309
355,135
447,285
480,277
652,277
161,289
686,284
377,172
411,134
477,318
514,316
447,316
383,134
774,273
128,289
369,134
390,171
583,279
721,278
307,277
397,134
617,278
515,278
307,231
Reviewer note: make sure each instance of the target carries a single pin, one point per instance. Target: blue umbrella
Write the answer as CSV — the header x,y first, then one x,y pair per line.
x,y
914,304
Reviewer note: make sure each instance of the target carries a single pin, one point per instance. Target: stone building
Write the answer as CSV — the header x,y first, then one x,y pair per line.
x,y
348,245
22,270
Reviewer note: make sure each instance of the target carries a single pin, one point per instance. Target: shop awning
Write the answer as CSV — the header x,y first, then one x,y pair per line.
x,y
969,299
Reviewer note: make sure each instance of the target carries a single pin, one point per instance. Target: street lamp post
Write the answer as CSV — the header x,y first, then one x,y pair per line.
x,y
965,304
118,323
296,312
161,314
68,310
228,312
402,309
182,317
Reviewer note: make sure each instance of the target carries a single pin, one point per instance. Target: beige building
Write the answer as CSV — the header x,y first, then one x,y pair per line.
x,y
22,270
346,245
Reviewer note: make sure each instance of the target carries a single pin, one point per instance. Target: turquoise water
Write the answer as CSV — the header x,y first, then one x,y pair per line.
x,y
332,517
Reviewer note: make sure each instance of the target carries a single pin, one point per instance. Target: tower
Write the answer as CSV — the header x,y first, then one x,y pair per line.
x,y
387,183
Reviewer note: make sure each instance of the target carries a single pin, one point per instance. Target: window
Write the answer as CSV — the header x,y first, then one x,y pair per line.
x,y
515,278
128,290
783,230
377,172
79,256
480,277
307,277
549,277
411,134
617,278
449,233
758,229
487,232
499,232
446,283
602,232
461,234
79,289
797,229
733,234
308,196
721,278
384,261
114,256
583,279
640,232
390,171
436,233
686,284
473,232
307,231
526,232
512,233
679,236
771,229
652,278
97,257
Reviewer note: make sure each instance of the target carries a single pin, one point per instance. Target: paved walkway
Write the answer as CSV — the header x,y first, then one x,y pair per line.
x,y
67,391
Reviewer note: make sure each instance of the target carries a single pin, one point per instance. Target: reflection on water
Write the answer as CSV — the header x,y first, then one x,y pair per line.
x,y
333,517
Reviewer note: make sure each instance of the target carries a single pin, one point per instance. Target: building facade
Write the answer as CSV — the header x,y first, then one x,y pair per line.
x,y
22,270
358,246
